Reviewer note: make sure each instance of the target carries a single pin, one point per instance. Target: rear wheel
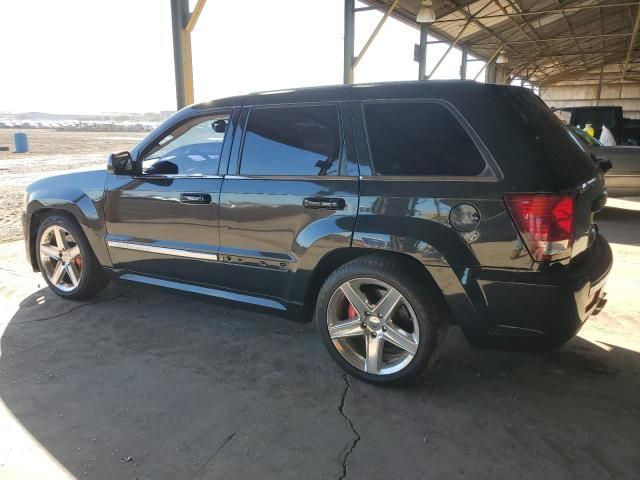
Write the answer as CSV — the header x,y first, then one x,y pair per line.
x,y
66,260
379,321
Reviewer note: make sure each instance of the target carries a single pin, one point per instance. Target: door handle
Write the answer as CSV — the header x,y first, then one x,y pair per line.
x,y
197,198
324,203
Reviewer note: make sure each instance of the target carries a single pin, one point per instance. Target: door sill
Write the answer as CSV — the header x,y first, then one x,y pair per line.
x,y
208,291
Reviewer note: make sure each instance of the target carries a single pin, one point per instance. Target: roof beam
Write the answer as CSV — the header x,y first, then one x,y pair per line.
x,y
495,54
193,17
517,24
556,39
470,18
373,35
571,31
451,45
539,12
455,7
593,76
556,67
505,27
409,18
562,75
564,53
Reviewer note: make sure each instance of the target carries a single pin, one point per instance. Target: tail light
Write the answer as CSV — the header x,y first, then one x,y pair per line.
x,y
545,222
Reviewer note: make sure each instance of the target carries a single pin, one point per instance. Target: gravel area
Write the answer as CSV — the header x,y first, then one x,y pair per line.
x,y
50,152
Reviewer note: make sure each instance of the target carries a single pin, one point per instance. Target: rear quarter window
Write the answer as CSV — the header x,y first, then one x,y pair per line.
x,y
420,138
549,141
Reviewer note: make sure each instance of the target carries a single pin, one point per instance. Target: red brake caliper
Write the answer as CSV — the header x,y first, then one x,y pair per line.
x,y
78,262
351,312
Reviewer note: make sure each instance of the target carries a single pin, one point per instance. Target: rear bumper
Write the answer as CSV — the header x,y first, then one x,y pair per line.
x,y
541,309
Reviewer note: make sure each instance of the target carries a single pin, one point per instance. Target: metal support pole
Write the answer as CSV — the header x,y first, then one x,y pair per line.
x,y
182,52
422,51
599,90
463,65
349,34
491,73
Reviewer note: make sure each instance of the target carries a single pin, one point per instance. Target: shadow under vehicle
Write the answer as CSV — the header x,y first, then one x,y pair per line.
x,y
188,389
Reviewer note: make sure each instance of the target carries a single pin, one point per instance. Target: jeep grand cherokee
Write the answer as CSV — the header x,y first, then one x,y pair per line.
x,y
387,212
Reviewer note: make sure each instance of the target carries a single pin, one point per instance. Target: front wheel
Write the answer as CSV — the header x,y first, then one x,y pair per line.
x,y
378,318
66,260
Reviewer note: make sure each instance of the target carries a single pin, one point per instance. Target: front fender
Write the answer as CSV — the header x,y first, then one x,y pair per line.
x,y
84,205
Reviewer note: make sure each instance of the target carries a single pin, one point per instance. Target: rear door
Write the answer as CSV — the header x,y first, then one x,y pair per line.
x,y
290,195
163,221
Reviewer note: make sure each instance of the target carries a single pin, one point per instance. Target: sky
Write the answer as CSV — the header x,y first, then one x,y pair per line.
x,y
91,56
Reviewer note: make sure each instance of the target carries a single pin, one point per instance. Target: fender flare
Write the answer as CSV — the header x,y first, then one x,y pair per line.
x,y
441,251
76,203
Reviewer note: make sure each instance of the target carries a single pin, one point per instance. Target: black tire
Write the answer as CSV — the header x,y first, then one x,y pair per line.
x,y
418,290
93,278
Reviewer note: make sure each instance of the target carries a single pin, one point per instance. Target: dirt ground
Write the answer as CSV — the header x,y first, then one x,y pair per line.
x,y
152,384
50,151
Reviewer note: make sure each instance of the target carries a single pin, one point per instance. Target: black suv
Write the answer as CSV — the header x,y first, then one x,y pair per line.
x,y
388,212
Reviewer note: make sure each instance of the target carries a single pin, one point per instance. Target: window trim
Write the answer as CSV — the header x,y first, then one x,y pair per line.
x,y
341,152
494,173
163,133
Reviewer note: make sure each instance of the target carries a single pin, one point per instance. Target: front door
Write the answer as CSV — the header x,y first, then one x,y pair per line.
x,y
163,221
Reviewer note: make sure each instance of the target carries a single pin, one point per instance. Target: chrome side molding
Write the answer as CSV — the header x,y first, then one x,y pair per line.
x,y
175,252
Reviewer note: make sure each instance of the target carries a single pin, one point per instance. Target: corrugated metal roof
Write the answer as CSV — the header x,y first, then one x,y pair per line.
x,y
547,41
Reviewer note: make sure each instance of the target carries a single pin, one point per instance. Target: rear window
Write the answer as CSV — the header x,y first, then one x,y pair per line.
x,y
419,139
596,117
552,144
297,140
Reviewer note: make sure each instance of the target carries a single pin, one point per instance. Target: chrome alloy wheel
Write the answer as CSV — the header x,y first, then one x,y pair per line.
x,y
60,258
373,326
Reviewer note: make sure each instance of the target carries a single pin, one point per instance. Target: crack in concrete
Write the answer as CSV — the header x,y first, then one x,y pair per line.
x,y
213,455
349,448
58,315
9,271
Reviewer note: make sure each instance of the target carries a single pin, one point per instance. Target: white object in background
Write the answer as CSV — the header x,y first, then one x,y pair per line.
x,y
606,137
426,14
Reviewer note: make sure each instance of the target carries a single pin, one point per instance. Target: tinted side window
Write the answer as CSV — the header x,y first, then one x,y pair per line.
x,y
302,140
192,148
419,139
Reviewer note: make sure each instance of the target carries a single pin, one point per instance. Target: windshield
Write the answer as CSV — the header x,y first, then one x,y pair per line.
x,y
207,133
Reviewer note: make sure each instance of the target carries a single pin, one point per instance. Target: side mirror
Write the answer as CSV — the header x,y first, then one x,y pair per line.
x,y
219,126
120,163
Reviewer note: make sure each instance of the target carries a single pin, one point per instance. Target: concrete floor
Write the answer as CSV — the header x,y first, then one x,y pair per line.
x,y
152,384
